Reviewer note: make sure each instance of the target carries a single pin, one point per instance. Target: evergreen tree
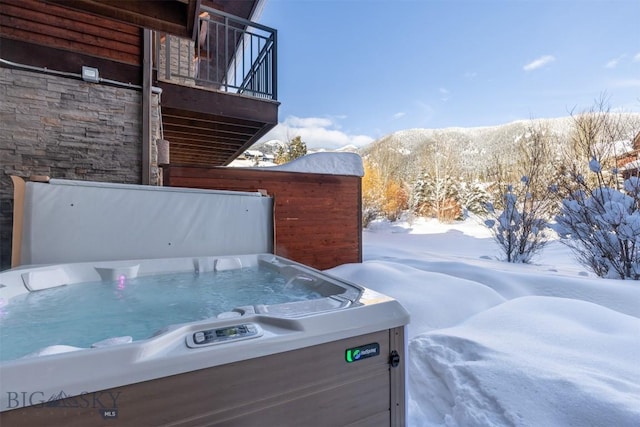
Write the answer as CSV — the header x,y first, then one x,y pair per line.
x,y
294,149
473,197
436,197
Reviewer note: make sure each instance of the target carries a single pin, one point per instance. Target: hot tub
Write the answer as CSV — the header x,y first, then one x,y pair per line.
x,y
197,341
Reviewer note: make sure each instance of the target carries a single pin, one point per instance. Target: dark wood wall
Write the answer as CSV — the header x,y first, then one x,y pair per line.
x,y
317,217
54,26
42,34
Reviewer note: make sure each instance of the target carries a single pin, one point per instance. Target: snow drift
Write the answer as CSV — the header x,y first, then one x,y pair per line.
x,y
496,344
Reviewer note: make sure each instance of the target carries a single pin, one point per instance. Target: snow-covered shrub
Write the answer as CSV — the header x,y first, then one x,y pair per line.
x,y
601,224
519,228
520,220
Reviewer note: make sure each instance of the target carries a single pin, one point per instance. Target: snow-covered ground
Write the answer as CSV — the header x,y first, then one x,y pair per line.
x,y
498,344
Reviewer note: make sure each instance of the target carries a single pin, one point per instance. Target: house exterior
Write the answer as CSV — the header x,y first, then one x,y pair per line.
x,y
629,162
105,125
109,91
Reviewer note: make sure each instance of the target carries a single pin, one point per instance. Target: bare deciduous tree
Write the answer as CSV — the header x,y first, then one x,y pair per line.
x,y
519,224
597,134
600,214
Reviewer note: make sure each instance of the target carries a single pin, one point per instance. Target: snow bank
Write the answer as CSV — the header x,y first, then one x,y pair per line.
x,y
532,361
465,253
426,295
498,344
516,282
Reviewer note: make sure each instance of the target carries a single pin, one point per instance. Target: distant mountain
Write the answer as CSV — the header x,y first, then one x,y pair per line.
x,y
268,147
475,144
346,149
492,135
481,137
479,145
271,147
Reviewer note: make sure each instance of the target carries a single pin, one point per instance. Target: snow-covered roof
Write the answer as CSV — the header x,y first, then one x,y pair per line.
x,y
631,165
330,163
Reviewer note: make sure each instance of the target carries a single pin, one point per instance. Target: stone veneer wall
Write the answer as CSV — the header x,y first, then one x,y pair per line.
x,y
66,128
183,64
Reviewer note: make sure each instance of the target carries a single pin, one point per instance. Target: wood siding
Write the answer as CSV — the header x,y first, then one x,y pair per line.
x,y
317,217
53,26
177,17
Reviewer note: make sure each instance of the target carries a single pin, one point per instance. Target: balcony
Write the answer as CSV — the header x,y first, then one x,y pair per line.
x,y
219,90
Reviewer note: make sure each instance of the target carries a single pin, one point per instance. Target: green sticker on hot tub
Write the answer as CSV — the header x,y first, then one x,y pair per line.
x,y
362,352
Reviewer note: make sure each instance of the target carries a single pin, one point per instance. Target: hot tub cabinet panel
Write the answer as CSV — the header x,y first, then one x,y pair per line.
x,y
337,359
312,386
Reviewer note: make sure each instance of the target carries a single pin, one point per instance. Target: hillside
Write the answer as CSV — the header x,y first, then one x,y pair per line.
x,y
478,147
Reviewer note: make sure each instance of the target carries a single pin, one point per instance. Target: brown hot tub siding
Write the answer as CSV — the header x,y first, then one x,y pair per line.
x,y
306,387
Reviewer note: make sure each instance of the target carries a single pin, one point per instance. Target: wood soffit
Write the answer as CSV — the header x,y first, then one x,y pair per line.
x,y
210,127
177,17
197,138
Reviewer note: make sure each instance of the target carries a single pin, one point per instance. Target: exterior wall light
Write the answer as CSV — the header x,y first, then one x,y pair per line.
x,y
90,74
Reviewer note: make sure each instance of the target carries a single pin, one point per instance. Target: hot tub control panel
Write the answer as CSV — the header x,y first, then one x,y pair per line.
x,y
224,334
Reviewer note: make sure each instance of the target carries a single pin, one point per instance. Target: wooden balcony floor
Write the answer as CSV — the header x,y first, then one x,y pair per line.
x,y
207,127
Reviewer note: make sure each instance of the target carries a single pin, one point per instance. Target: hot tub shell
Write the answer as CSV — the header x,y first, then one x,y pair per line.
x,y
300,369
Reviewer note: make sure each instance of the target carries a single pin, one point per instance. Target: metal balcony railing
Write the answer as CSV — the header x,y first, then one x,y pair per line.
x,y
230,54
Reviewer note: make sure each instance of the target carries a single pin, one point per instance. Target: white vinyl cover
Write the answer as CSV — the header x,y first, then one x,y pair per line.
x,y
76,221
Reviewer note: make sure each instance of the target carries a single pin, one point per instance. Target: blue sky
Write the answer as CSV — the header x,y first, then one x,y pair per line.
x,y
352,71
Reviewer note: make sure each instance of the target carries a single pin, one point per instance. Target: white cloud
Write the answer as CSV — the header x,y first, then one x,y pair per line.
x,y
539,62
636,58
304,122
470,74
399,114
614,62
316,132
